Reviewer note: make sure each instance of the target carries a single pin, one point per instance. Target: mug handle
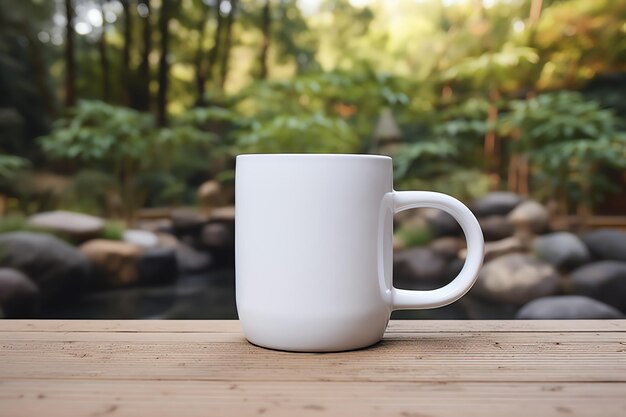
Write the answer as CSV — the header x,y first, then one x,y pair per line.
x,y
408,299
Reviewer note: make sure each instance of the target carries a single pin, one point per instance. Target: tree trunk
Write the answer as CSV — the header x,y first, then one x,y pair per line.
x,y
199,57
227,44
70,59
104,59
217,44
143,99
490,146
128,42
163,75
40,70
265,29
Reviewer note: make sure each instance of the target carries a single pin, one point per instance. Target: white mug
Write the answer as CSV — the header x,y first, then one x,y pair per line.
x,y
314,250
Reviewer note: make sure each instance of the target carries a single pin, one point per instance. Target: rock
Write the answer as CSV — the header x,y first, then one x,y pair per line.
x,y
496,203
218,235
187,221
19,296
499,248
210,194
516,279
143,238
496,227
448,247
413,267
158,266
603,280
564,250
606,244
57,268
192,260
573,307
529,217
443,224
76,226
115,261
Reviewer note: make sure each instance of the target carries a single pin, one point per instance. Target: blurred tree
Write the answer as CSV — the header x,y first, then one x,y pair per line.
x,y
199,58
70,58
143,93
104,59
228,29
266,26
126,52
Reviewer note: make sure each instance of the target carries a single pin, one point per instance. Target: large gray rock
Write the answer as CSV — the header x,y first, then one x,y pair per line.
x,y
192,260
606,244
530,216
187,221
158,266
116,262
499,248
496,203
76,226
59,269
603,280
443,224
414,268
142,238
496,227
564,250
448,247
572,307
19,296
218,235
516,279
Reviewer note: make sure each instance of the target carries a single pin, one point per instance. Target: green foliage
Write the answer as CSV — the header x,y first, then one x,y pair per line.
x,y
10,164
123,143
415,236
570,141
112,230
300,134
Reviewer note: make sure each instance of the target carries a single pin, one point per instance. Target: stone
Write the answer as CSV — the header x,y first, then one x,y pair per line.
x,y
76,226
187,221
19,296
413,268
210,194
604,280
158,266
516,279
59,270
116,262
192,260
448,247
496,227
606,244
530,217
217,235
499,248
572,307
564,250
143,238
443,224
496,203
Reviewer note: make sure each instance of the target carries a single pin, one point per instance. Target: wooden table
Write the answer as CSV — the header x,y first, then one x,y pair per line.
x,y
206,368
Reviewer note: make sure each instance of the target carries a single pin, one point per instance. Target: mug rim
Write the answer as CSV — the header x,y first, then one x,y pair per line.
x,y
313,155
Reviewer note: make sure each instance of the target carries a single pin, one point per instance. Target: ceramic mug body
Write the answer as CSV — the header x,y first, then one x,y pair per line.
x,y
314,250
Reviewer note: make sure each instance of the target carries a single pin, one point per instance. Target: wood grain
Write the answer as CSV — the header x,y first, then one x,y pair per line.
x,y
421,368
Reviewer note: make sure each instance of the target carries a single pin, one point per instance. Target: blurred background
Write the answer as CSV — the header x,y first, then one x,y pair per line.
x,y
120,122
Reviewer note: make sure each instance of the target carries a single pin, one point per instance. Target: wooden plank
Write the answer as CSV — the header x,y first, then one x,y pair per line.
x,y
407,399
445,357
233,326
